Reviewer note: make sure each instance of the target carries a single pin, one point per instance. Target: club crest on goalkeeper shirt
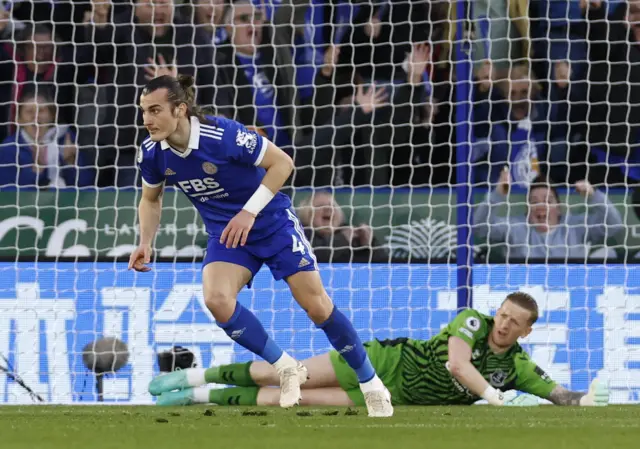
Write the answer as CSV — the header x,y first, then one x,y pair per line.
x,y
218,172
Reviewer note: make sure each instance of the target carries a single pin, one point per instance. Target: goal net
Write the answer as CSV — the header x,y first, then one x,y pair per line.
x,y
447,153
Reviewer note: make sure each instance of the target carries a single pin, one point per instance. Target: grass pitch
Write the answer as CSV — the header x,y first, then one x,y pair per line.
x,y
207,427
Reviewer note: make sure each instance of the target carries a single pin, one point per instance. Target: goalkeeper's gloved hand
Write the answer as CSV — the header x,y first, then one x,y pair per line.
x,y
598,394
524,400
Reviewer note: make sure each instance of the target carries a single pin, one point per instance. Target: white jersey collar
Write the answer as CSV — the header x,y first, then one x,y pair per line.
x,y
194,136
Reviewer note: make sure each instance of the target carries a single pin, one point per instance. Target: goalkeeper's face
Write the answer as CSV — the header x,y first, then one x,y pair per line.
x,y
159,116
510,323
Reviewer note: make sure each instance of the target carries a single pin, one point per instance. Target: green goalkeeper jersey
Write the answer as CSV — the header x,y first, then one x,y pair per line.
x,y
425,380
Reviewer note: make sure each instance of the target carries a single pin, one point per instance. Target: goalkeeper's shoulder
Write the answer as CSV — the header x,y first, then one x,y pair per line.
x,y
473,319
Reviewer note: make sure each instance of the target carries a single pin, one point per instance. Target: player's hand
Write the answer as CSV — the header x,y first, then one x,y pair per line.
x,y
237,230
139,258
597,396
523,400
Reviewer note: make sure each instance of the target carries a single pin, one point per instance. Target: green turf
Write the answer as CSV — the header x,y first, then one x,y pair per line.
x,y
93,427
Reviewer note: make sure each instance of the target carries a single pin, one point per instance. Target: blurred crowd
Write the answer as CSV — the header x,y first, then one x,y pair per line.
x,y
555,90
360,93
347,88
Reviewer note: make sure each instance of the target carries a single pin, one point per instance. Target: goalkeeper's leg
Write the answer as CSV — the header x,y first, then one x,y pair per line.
x,y
324,371
320,371
250,374
261,396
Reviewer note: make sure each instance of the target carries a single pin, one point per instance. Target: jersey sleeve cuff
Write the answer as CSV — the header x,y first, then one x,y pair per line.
x,y
263,150
148,184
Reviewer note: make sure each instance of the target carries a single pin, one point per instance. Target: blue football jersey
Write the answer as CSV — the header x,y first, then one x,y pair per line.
x,y
218,172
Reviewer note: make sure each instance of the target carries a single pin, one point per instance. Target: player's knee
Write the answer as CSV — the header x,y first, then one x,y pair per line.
x,y
220,304
319,308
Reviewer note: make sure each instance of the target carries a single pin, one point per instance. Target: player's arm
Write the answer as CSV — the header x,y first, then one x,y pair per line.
x,y
279,167
463,370
530,378
149,213
149,209
598,395
464,331
562,396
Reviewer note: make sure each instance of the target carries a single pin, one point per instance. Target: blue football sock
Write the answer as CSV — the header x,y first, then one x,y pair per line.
x,y
245,329
345,340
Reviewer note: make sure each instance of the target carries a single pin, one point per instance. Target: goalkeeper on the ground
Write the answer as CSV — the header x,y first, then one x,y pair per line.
x,y
475,357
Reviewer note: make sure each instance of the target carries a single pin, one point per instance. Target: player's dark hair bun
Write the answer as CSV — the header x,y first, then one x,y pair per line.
x,y
186,81
187,84
180,90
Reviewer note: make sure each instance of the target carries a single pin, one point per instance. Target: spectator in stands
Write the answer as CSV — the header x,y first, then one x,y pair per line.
x,y
501,37
406,123
34,11
381,39
34,56
6,65
560,41
608,122
208,16
322,158
323,86
332,240
511,128
558,34
317,49
380,49
152,41
256,79
414,161
545,231
41,153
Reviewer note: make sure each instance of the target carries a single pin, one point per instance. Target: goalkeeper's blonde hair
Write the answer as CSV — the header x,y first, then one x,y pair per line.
x,y
526,301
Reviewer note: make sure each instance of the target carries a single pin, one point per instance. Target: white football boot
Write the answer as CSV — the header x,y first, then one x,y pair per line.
x,y
291,378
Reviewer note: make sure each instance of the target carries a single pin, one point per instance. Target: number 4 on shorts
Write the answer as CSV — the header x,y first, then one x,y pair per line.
x,y
298,247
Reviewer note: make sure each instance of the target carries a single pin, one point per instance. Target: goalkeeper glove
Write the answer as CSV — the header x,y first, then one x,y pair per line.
x,y
524,400
598,395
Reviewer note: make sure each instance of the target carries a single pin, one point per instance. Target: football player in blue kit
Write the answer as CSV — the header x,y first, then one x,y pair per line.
x,y
232,176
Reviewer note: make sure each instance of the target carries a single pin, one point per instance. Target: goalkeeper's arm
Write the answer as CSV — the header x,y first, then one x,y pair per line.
x,y
598,395
463,370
